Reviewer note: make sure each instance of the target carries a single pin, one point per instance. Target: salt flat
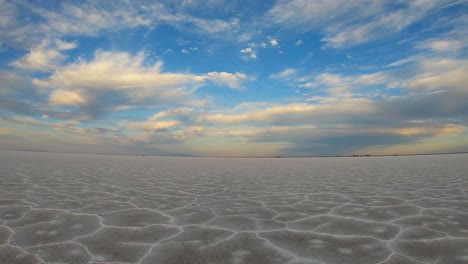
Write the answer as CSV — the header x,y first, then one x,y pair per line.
x,y
70,208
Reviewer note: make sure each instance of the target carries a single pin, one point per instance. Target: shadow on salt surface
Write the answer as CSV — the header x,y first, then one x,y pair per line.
x,y
93,209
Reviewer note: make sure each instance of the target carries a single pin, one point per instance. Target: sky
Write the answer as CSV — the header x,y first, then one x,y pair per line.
x,y
234,78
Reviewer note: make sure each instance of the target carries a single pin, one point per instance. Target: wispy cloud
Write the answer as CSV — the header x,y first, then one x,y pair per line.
x,y
286,74
91,18
348,23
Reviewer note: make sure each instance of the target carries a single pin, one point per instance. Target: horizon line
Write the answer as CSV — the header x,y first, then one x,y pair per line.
x,y
250,157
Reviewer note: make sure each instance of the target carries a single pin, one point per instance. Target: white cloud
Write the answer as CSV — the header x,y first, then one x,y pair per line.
x,y
442,45
187,50
64,45
401,62
343,85
114,79
232,80
273,42
252,54
115,71
155,125
295,113
327,79
372,78
64,97
213,27
121,71
440,74
298,42
286,74
43,57
173,112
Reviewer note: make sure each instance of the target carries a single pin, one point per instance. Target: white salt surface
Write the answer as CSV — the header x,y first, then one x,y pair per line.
x,y
70,208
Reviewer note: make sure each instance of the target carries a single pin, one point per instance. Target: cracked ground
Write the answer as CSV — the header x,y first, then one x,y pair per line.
x,y
73,208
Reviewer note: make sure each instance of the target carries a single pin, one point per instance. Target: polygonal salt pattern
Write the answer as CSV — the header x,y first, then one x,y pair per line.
x,y
94,209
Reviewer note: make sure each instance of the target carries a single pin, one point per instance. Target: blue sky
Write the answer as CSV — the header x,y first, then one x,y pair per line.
x,y
234,78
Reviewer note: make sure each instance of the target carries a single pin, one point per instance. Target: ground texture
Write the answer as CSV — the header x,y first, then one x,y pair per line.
x,y
69,208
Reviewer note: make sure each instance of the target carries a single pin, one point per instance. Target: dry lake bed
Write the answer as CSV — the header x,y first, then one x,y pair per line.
x,y
73,208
